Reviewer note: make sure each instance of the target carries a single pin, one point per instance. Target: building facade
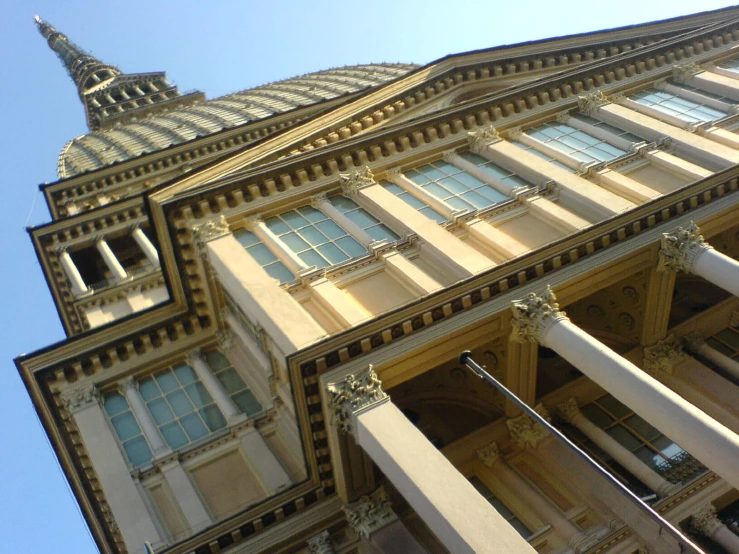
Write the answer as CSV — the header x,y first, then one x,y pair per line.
x,y
265,296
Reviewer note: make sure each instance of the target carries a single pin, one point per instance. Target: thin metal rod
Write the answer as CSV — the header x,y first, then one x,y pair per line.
x,y
686,545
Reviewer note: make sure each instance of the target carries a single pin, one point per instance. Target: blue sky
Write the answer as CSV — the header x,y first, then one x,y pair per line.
x,y
217,47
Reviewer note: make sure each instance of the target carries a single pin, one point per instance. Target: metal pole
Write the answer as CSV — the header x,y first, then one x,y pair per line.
x,y
686,546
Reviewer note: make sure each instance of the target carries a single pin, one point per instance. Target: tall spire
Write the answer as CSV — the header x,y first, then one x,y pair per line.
x,y
86,71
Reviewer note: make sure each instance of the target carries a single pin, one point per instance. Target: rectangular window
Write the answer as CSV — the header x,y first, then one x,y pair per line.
x,y
127,428
670,104
454,186
233,383
180,405
495,170
610,128
413,202
575,143
731,65
315,239
264,257
543,156
362,218
501,508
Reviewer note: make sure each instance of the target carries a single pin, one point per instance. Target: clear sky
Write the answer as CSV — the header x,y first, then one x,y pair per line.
x,y
217,47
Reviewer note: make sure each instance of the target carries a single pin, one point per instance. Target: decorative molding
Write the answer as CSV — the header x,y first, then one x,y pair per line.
x,y
680,248
481,137
210,229
591,101
664,356
705,521
354,180
533,315
80,398
489,455
370,514
225,340
527,432
693,342
569,410
321,544
353,395
682,73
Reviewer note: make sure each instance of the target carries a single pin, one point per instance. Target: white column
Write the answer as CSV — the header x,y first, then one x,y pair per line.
x,y
685,250
146,246
276,246
111,261
267,467
148,426
394,175
75,279
128,507
697,345
707,523
321,544
228,407
459,516
570,412
537,318
186,495
322,203
541,506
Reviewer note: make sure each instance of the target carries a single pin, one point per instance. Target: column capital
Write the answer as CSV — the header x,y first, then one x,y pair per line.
x,y
481,137
533,315
569,410
449,155
252,221
135,225
97,239
514,133
225,340
317,199
664,356
320,544
127,383
692,342
489,455
210,229
354,180
527,432
682,73
370,514
354,394
80,398
679,249
393,173
194,356
705,520
564,116
591,101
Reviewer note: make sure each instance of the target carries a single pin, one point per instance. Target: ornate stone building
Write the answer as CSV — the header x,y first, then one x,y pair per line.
x,y
265,295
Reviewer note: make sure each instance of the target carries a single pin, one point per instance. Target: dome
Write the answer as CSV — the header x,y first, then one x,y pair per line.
x,y
98,149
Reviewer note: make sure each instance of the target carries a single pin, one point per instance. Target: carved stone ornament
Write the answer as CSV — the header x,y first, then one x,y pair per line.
x,y
210,229
481,137
80,398
370,514
354,180
569,410
680,248
321,544
533,315
252,221
393,173
225,340
514,133
591,101
354,394
489,455
194,356
693,342
563,117
684,72
527,432
449,156
317,199
705,521
664,356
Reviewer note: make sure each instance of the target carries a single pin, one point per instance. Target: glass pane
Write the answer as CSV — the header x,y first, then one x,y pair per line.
x,y
179,402
138,451
331,229
185,374
596,415
280,272
667,446
642,428
160,411
126,426
247,402
246,238
624,438
294,219
492,195
277,226
231,380
614,406
311,214
361,218
649,456
520,527
313,236
193,426
294,242
501,508
458,204
351,247
115,404
198,394
216,360
213,418
342,203
433,215
261,254
166,381
148,389
332,253
311,258
173,434
381,232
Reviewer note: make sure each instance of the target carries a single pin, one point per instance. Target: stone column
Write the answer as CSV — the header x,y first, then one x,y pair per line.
x,y
375,522
126,503
685,250
75,279
570,412
537,318
111,261
228,407
148,426
696,344
707,523
321,544
275,245
516,485
462,519
322,203
146,246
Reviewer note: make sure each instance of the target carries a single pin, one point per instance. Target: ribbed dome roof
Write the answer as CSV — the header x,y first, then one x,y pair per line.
x,y
100,148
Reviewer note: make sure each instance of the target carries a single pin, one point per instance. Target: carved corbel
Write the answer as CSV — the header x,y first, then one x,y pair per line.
x,y
210,229
489,455
353,395
705,521
80,398
533,315
664,356
680,248
527,432
370,514
321,544
481,137
591,101
354,180
684,72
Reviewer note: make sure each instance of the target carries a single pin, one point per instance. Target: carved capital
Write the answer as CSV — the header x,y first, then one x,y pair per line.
x,y
527,432
514,133
252,221
127,383
370,514
80,398
321,544
393,173
318,199
591,101
693,342
705,521
684,72
563,117
353,395
194,356
225,340
664,356
569,410
489,455
210,229
481,137
354,180
680,248
533,315
449,156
